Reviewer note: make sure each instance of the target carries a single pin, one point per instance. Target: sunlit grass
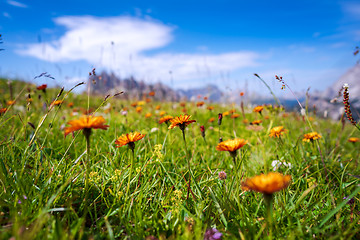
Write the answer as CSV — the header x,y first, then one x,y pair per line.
x,y
135,193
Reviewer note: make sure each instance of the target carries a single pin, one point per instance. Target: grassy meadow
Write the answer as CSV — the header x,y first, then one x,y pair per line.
x,y
57,187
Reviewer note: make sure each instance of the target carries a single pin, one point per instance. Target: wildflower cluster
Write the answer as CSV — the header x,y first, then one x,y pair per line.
x,y
158,155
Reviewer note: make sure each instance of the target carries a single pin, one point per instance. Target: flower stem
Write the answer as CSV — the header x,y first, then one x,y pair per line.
x,y
87,133
131,169
188,162
268,201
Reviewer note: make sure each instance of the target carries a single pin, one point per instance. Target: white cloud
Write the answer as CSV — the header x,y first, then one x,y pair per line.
x,y
16,4
7,15
352,9
121,44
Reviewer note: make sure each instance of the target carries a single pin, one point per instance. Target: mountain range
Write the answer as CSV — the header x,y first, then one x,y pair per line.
x,y
328,103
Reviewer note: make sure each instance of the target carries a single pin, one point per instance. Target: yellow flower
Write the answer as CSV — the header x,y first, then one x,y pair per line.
x,y
182,122
231,145
225,113
311,137
267,184
277,131
162,113
165,119
86,123
354,139
129,138
148,115
141,103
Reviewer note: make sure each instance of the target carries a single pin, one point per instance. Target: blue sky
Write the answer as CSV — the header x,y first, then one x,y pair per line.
x,y
309,43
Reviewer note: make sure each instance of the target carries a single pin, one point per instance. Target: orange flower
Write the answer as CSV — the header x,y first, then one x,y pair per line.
x,y
3,110
258,109
138,109
200,104
158,107
148,115
162,113
231,145
129,138
267,184
241,94
183,104
42,87
182,122
165,119
232,111
354,139
277,131
256,122
211,120
134,104
210,108
148,100
245,121
152,93
235,115
86,123
71,104
56,103
10,102
225,114
311,137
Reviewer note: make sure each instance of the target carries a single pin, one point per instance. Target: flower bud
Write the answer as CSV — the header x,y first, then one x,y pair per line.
x,y
220,116
202,129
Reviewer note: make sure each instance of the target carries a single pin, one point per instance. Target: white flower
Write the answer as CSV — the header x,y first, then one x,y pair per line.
x,y
154,130
276,164
303,112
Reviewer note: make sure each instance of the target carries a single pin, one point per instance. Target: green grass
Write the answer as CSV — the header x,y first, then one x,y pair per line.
x,y
43,194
